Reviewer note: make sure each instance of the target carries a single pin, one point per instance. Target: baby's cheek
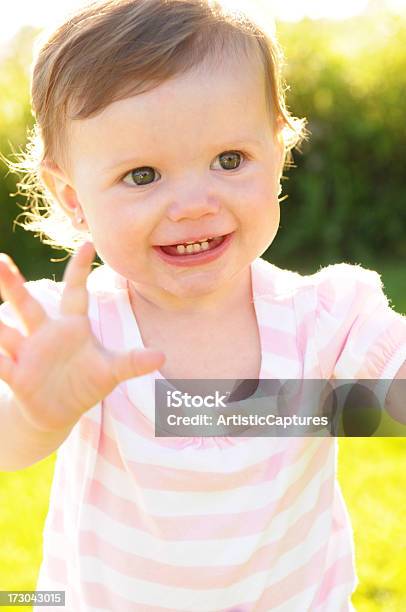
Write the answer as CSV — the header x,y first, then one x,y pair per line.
x,y
260,192
264,219
111,224
263,207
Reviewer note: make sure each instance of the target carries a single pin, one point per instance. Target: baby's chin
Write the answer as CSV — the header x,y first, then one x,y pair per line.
x,y
193,294
196,284
196,292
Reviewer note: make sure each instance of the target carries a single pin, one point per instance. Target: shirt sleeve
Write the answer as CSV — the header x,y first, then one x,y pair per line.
x,y
358,334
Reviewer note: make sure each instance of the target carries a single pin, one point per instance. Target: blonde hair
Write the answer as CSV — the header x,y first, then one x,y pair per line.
x,y
113,49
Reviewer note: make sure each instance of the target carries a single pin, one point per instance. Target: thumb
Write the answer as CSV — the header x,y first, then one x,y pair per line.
x,y
136,363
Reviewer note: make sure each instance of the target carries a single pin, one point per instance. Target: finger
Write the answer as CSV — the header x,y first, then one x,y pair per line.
x,y
136,363
10,339
13,290
6,369
75,297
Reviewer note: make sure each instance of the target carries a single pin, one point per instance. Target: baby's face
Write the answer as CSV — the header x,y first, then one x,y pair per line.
x,y
194,158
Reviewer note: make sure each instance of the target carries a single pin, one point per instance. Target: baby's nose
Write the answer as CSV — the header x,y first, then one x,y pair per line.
x,y
192,208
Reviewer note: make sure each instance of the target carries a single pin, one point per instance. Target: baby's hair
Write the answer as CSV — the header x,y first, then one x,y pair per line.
x,y
113,49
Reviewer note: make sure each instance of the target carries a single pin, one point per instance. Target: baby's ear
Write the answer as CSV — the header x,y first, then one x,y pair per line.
x,y
59,186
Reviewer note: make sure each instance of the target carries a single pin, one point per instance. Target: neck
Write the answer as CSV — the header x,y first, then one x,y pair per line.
x,y
232,295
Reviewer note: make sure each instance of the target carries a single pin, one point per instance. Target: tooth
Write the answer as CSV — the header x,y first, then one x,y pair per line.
x,y
196,248
202,240
189,248
204,246
180,248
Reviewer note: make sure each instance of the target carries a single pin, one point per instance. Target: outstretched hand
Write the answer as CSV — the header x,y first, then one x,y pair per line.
x,y
57,370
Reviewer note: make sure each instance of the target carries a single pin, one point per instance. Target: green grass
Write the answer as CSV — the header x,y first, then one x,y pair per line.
x,y
373,482
371,474
24,498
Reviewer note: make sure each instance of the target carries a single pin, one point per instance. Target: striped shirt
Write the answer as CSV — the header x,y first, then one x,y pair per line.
x,y
215,524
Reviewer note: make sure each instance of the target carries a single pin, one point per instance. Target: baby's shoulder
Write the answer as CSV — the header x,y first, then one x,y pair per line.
x,y
338,286
327,288
340,273
105,283
46,291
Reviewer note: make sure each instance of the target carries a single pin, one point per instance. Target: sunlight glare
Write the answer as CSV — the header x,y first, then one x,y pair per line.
x,y
47,13
294,10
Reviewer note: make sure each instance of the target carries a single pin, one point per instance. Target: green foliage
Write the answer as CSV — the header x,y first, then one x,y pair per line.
x,y
346,197
16,120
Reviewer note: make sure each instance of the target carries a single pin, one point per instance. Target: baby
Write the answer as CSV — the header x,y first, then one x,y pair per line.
x,y
161,138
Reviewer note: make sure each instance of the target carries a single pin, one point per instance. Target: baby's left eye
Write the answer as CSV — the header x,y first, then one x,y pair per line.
x,y
141,176
230,160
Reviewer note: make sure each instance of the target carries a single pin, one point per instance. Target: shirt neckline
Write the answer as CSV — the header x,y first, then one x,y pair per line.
x,y
114,301
133,338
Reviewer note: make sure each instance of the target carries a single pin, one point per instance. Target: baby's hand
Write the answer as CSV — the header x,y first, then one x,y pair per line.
x,y
58,369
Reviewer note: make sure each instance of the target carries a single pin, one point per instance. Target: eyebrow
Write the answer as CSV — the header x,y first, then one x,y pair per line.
x,y
229,146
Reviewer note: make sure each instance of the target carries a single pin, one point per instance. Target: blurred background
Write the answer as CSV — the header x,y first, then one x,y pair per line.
x,y
346,71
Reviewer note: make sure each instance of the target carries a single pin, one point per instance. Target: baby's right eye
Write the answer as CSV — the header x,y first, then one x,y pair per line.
x,y
140,176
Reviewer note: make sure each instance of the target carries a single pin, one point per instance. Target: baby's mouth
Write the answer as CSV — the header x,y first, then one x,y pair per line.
x,y
192,248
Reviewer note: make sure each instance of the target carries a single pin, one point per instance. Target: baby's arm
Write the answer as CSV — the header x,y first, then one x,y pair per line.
x,y
57,369
359,335
21,444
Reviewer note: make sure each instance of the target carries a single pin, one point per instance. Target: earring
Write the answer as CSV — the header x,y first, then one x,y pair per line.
x,y
80,220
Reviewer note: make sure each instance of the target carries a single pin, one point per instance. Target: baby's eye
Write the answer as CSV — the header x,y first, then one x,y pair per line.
x,y
140,176
230,160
